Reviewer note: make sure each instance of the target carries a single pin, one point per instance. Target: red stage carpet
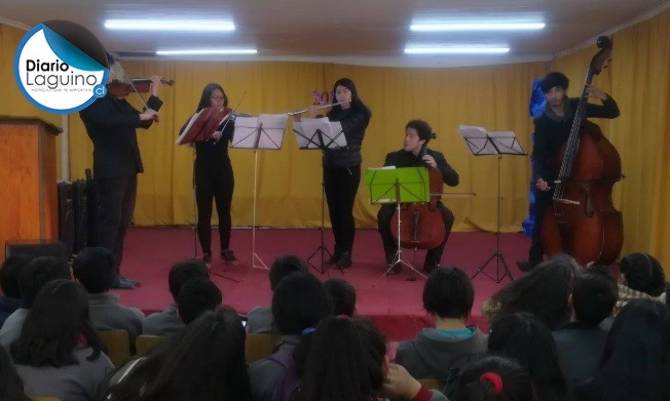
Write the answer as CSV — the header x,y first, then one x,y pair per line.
x,y
393,303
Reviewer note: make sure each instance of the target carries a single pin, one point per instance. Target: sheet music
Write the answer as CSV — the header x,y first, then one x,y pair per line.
x,y
507,143
477,140
332,135
265,131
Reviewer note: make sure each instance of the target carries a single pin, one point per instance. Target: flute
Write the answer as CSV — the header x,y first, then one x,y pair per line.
x,y
325,106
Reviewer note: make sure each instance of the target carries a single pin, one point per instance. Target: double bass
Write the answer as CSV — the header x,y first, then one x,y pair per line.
x,y
583,221
422,224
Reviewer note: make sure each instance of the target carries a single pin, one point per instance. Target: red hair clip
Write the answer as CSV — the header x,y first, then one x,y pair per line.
x,y
494,379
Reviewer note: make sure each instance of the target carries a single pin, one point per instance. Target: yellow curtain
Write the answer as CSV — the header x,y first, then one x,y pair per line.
x,y
495,97
639,80
290,180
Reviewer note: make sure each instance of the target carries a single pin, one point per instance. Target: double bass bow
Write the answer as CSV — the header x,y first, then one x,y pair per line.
x,y
583,221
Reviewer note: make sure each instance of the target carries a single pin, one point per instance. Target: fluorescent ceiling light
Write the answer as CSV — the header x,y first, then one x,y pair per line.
x,y
476,26
182,25
456,49
203,52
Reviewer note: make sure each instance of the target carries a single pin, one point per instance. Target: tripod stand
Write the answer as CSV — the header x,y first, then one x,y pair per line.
x,y
320,134
500,143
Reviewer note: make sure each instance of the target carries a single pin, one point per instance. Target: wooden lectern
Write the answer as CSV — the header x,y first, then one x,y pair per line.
x,y
28,193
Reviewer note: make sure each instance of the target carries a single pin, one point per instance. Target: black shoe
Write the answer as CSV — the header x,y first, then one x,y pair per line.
x,y
524,265
428,267
334,258
345,261
228,256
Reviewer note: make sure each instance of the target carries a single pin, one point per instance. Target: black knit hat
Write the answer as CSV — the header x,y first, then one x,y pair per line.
x,y
555,79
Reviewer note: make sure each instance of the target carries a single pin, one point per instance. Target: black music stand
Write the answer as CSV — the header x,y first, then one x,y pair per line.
x,y
320,134
482,143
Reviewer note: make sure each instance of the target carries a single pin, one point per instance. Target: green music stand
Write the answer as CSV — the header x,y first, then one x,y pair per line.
x,y
398,185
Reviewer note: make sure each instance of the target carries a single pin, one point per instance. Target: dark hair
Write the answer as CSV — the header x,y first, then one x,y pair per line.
x,y
12,385
342,295
522,337
285,265
207,94
9,275
345,362
422,128
197,296
516,384
37,273
643,273
448,293
555,79
356,102
593,296
204,362
636,359
299,302
54,326
95,268
543,292
183,271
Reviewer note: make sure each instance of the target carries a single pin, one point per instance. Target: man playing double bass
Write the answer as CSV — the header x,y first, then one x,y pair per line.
x,y
416,154
552,130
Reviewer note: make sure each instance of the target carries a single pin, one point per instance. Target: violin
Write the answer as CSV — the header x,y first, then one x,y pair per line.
x,y
120,88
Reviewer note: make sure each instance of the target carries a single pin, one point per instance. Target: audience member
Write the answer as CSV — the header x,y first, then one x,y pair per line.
x,y
196,297
342,295
10,300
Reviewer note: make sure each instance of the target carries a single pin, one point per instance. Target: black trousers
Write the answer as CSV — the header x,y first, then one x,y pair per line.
x,y
341,185
384,221
214,181
115,212
543,200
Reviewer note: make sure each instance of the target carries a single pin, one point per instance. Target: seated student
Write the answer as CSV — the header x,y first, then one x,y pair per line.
x,y
298,304
12,385
259,319
494,378
544,292
204,362
642,277
95,269
636,359
59,354
196,297
9,283
448,296
168,322
524,338
342,295
32,278
580,343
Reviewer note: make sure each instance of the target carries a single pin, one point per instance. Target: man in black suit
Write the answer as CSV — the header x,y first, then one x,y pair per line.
x,y
111,123
415,153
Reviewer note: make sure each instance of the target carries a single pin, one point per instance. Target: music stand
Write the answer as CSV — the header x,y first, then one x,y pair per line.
x,y
321,134
265,132
398,185
483,143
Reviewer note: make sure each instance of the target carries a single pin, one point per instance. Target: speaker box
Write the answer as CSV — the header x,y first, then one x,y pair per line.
x,y
36,248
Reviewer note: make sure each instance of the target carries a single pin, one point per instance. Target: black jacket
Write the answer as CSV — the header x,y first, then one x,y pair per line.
x,y
354,122
111,124
552,132
403,158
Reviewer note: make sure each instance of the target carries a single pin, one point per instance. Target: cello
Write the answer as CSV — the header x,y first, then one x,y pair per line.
x,y
583,221
422,224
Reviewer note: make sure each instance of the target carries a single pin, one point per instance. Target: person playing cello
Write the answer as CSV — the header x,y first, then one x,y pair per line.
x,y
415,153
